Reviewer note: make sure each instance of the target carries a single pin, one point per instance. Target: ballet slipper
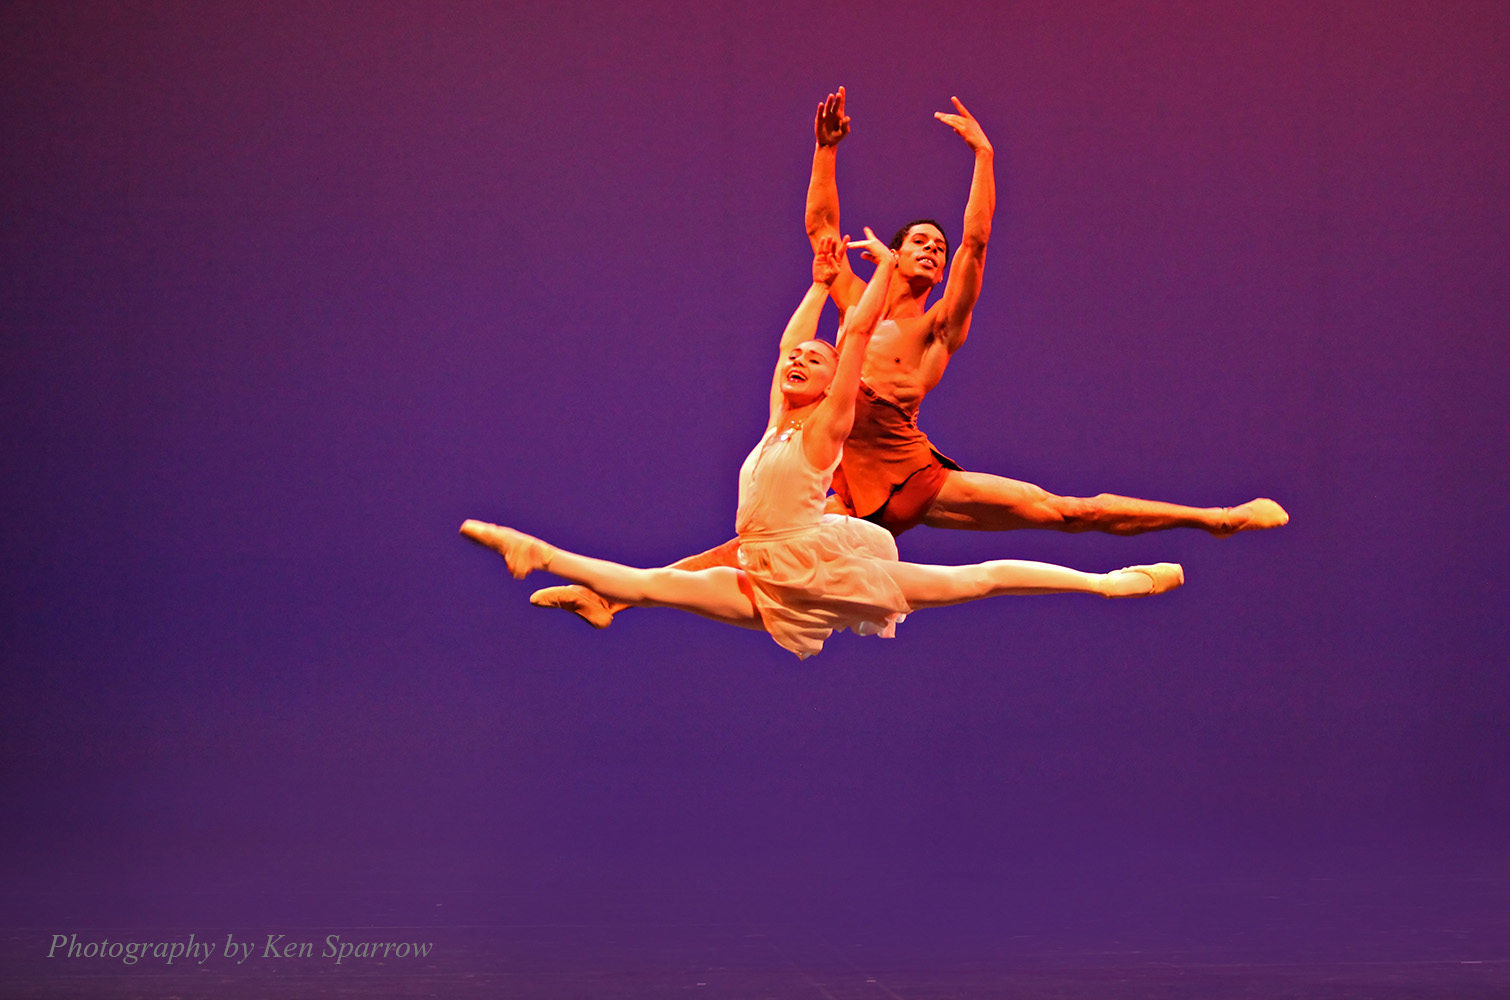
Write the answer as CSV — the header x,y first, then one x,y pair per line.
x,y
1162,577
523,553
585,604
1255,515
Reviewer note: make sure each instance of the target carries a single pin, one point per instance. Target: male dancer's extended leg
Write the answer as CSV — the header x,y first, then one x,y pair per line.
x,y
976,501
592,608
716,592
937,586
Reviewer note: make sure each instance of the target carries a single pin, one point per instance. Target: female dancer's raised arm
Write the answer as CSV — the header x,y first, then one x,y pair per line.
x,y
835,415
802,328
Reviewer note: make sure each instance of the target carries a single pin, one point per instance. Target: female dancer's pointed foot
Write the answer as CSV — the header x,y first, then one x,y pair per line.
x,y
524,553
1255,515
1145,581
580,601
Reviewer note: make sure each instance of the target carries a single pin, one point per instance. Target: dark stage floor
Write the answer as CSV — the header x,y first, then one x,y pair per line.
x,y
1376,926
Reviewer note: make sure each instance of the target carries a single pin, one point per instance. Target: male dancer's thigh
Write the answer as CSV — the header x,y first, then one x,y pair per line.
x,y
978,501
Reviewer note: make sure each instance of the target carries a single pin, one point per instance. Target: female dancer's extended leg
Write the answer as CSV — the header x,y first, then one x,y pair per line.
x,y
936,586
716,592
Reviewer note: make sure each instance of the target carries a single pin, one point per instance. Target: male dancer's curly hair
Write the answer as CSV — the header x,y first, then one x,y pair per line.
x,y
896,241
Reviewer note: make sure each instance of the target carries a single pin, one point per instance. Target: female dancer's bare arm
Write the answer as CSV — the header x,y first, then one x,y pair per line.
x,y
829,424
803,326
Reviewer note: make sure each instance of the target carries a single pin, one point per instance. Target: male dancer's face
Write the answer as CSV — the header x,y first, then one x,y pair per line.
x,y
922,254
806,371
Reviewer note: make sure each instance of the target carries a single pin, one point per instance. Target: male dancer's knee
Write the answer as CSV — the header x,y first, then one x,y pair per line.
x,y
1074,514
1107,512
993,503
1042,509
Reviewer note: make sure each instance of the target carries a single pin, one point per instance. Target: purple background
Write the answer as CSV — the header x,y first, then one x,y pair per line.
x,y
290,290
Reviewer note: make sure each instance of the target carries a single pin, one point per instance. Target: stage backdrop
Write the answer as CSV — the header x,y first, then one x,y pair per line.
x,y
292,289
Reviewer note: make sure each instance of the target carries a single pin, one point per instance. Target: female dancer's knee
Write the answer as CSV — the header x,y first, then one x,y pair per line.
x,y
937,586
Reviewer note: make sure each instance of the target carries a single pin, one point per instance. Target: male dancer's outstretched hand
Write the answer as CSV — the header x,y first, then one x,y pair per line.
x,y
964,124
831,124
872,249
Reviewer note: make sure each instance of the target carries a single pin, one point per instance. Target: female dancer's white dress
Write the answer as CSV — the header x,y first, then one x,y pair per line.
x,y
812,573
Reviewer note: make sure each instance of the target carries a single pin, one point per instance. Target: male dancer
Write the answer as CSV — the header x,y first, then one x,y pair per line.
x,y
890,473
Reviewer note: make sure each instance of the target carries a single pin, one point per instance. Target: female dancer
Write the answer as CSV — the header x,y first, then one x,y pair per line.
x,y
806,574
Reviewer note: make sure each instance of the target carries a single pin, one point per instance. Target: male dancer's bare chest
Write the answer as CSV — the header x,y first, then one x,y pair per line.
x,y
902,362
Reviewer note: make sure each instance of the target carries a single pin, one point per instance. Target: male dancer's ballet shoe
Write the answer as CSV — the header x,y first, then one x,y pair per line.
x,y
580,601
1255,515
1162,577
523,553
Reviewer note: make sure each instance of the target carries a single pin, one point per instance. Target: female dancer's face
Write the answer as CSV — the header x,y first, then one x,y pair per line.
x,y
806,372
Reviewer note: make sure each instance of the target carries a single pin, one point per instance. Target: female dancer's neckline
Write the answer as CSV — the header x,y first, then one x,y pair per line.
x,y
783,431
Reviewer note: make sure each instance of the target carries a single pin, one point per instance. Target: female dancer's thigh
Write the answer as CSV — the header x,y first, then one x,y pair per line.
x,y
936,586
718,592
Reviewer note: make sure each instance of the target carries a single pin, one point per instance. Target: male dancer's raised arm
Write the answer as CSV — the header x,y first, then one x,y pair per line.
x,y
952,324
830,126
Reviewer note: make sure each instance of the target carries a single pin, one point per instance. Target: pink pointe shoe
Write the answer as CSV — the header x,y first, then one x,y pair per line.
x,y
523,553
579,601
1162,577
1255,515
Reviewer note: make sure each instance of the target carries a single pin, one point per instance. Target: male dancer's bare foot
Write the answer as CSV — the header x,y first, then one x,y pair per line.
x,y
1145,581
524,553
580,601
1255,515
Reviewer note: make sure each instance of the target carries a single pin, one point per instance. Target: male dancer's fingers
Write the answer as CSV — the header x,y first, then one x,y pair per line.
x,y
830,124
860,245
871,247
965,125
